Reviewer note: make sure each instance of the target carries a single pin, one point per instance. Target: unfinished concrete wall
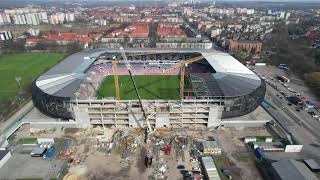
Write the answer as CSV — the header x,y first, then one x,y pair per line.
x,y
215,113
81,117
162,120
135,120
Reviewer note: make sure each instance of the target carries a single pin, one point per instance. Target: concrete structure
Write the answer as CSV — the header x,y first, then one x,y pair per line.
x,y
211,148
210,169
223,89
4,156
313,165
291,170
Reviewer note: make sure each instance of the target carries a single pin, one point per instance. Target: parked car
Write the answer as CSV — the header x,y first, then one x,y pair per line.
x,y
315,116
194,169
193,160
311,113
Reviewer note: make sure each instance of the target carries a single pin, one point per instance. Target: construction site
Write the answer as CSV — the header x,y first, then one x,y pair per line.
x,y
131,153
211,88
141,127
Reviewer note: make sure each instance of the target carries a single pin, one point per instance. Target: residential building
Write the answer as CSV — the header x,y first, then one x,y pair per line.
x,y
199,43
249,46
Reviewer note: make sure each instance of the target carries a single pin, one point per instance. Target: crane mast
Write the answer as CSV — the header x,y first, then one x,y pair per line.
x,y
123,54
182,65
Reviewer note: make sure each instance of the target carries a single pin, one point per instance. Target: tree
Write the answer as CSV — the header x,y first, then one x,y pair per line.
x,y
14,45
317,58
74,47
46,45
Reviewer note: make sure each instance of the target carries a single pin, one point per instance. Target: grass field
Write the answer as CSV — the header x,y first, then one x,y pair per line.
x,y
28,140
149,87
28,66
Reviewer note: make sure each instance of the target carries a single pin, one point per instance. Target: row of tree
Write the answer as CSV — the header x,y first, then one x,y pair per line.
x,y
11,46
302,60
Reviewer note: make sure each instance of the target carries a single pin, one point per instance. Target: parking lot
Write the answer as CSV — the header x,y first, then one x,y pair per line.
x,y
22,165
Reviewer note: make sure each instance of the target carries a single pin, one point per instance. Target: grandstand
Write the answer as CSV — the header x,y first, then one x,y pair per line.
x,y
81,88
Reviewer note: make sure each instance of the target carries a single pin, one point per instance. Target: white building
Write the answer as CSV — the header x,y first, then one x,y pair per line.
x,y
4,19
250,11
5,35
70,17
44,17
19,19
282,15
34,32
287,15
215,32
61,17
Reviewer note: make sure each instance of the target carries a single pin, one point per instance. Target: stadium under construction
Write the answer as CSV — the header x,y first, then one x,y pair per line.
x,y
218,87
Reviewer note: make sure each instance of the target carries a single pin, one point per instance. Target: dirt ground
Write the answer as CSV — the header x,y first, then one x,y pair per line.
x,y
99,165
91,159
236,151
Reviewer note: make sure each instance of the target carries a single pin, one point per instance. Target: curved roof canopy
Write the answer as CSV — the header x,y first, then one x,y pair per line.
x,y
64,79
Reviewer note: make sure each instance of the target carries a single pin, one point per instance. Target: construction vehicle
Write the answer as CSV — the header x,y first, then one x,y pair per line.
x,y
182,65
123,54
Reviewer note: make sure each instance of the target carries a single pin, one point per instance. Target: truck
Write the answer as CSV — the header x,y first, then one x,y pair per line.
x,y
38,152
283,66
266,104
50,152
259,153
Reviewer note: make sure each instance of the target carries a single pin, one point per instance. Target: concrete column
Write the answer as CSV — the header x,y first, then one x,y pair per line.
x,y
214,118
162,120
81,116
135,120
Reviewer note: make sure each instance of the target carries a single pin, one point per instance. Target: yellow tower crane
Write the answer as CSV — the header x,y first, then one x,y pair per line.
x,y
182,65
116,77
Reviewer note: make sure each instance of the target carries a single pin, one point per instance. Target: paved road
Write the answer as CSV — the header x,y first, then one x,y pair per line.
x,y
16,117
303,127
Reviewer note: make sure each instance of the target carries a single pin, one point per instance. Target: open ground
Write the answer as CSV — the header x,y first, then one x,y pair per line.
x,y
24,66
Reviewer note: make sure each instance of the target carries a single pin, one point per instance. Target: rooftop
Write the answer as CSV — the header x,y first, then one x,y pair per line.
x,y
64,79
312,164
3,153
290,169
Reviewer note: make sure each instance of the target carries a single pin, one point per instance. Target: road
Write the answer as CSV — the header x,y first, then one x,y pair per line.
x,y
303,127
16,117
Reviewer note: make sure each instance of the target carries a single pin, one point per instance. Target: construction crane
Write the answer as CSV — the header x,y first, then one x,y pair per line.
x,y
116,77
182,65
123,54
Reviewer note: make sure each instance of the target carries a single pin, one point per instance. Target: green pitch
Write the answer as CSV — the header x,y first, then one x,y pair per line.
x,y
149,87
27,66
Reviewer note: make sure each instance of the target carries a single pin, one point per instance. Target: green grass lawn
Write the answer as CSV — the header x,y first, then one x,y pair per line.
x,y
28,66
149,87
244,157
28,140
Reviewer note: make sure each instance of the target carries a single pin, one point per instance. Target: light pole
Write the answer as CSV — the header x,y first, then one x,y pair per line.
x,y
18,79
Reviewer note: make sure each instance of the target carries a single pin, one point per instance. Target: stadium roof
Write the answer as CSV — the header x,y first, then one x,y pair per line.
x,y
64,79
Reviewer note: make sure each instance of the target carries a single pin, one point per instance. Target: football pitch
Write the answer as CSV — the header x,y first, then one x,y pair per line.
x,y
149,87
23,66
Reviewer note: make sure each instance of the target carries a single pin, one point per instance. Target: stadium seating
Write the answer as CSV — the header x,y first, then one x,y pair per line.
x,y
98,72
